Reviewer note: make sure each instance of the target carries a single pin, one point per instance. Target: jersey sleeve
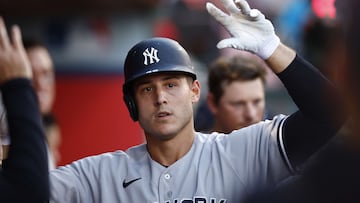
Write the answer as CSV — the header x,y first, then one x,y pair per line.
x,y
85,180
74,182
24,174
257,153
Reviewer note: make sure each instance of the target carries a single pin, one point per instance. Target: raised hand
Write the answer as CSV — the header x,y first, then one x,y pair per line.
x,y
13,59
249,28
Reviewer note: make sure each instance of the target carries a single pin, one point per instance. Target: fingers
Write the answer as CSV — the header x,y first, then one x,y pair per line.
x,y
243,6
245,9
228,43
230,6
4,38
16,37
254,13
216,13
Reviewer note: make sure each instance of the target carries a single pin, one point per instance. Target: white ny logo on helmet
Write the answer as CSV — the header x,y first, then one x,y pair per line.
x,y
150,56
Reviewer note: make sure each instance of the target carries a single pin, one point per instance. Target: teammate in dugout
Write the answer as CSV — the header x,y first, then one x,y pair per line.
x,y
177,164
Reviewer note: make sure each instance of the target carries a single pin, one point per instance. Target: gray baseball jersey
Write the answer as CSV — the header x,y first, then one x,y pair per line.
x,y
219,168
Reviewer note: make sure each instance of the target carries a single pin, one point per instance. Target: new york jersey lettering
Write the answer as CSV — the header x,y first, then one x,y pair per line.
x,y
196,200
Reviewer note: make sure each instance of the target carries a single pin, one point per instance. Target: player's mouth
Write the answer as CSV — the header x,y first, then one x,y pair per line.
x,y
163,114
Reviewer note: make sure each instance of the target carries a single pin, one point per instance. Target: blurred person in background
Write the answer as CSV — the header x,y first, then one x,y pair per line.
x,y
43,73
236,96
44,83
24,173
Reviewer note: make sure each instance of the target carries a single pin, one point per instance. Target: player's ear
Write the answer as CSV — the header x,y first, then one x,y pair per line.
x,y
210,99
195,89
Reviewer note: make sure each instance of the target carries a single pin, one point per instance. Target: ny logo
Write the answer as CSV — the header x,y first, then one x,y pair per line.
x,y
150,56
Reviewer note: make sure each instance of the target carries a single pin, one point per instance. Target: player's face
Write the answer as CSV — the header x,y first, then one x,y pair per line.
x,y
43,77
241,105
165,104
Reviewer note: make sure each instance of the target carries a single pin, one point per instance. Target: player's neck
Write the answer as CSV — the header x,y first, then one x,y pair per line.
x,y
169,151
218,128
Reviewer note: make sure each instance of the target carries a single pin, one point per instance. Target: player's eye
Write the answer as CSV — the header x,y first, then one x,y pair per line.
x,y
171,85
147,89
237,104
257,102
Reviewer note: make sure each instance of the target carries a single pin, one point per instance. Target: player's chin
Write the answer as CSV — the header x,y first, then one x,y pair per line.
x,y
247,124
163,125
242,125
164,134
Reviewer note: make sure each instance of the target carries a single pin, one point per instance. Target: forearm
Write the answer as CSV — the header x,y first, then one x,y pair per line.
x,y
314,95
320,110
26,167
281,58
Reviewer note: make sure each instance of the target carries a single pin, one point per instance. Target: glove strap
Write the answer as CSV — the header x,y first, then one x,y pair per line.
x,y
266,51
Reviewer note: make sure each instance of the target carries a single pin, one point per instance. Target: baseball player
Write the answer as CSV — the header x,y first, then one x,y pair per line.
x,y
179,165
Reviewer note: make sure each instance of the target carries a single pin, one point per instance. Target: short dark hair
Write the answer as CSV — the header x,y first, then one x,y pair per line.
x,y
225,70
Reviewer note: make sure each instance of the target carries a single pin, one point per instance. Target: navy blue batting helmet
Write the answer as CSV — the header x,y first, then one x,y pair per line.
x,y
151,56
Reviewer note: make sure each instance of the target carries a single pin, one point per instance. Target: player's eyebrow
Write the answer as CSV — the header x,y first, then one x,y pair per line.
x,y
172,76
148,80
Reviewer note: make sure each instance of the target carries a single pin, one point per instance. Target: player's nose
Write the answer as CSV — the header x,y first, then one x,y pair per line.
x,y
160,96
250,113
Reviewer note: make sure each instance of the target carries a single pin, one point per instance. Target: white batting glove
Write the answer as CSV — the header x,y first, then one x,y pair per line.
x,y
249,28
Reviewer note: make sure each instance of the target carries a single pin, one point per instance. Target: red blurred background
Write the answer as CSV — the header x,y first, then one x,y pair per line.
x,y
92,116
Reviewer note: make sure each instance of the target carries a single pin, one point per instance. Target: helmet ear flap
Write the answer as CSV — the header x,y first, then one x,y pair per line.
x,y
130,104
